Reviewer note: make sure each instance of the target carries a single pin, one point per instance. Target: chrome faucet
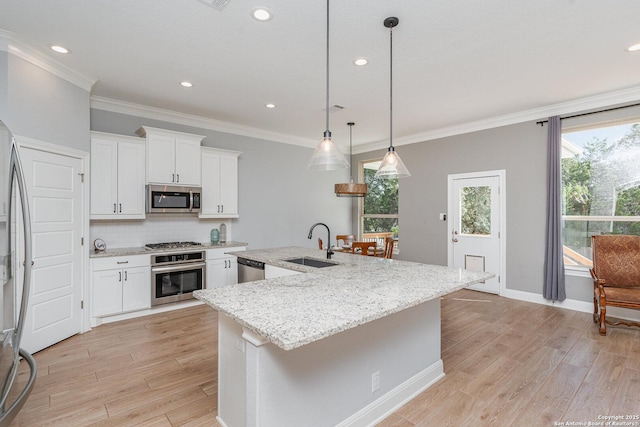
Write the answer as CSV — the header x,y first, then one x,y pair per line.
x,y
329,251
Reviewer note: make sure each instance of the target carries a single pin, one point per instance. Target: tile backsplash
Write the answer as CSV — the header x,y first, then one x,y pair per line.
x,y
154,229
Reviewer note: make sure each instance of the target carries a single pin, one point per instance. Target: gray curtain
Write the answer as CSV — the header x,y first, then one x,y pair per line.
x,y
553,262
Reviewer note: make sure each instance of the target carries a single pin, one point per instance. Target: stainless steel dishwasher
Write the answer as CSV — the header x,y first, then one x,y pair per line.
x,y
250,270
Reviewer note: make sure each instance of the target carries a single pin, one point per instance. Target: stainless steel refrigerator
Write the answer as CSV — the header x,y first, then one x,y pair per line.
x,y
15,230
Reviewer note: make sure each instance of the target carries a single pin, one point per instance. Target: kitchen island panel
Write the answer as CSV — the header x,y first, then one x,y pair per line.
x,y
329,382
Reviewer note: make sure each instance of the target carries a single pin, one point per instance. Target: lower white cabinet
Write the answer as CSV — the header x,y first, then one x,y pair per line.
x,y
120,284
222,269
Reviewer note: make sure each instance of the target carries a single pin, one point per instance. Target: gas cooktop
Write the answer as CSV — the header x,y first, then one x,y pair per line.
x,y
173,245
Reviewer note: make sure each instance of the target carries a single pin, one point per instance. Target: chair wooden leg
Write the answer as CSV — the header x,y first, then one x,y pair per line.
x,y
595,309
603,314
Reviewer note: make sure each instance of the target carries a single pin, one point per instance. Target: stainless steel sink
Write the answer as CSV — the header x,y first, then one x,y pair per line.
x,y
311,262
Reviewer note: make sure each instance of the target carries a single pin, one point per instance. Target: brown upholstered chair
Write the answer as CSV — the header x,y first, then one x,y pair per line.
x,y
365,248
389,243
616,276
319,243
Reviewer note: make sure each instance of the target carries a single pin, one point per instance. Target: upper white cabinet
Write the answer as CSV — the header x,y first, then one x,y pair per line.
x,y
219,183
172,157
117,176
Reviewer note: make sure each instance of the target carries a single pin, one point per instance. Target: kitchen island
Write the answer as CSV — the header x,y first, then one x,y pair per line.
x,y
340,345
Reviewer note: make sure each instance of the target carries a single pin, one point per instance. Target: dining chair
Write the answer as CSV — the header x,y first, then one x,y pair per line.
x,y
389,243
346,239
319,243
364,248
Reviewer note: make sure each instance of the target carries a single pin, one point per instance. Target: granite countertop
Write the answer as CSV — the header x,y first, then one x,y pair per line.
x,y
147,251
296,310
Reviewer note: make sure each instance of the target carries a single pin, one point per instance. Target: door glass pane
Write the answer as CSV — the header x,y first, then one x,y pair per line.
x,y
475,211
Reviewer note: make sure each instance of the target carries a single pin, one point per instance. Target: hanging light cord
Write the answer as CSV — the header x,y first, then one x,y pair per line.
x,y
327,133
390,87
350,155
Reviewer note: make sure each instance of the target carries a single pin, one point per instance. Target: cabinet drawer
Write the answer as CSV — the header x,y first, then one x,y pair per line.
x,y
110,263
222,252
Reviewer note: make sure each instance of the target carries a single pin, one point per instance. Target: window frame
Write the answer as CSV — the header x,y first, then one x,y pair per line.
x,y
361,214
579,270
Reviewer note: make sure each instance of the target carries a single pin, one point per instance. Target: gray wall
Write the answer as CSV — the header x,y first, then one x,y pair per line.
x,y
279,198
42,106
520,150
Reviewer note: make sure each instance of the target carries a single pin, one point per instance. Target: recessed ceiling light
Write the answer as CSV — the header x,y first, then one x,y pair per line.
x,y
59,49
361,61
186,84
634,48
270,105
261,14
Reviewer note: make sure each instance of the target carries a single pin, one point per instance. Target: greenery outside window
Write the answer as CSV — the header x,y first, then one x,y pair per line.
x,y
379,208
601,186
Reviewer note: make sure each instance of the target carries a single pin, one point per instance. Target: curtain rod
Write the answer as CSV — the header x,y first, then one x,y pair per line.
x,y
542,122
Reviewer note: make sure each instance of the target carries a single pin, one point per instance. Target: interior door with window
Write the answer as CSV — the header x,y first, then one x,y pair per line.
x,y
475,224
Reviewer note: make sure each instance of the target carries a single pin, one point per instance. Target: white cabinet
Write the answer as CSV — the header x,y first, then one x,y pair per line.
x,y
219,183
222,269
120,284
172,157
117,177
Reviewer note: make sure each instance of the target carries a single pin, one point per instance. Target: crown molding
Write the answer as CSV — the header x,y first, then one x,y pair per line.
x,y
115,106
563,108
11,44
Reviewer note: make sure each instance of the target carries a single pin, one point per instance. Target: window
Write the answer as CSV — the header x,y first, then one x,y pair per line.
x,y
379,208
601,186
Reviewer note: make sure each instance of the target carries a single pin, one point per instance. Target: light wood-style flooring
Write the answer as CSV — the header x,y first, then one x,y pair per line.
x,y
507,363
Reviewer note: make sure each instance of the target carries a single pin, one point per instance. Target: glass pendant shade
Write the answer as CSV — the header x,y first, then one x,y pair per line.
x,y
392,166
327,156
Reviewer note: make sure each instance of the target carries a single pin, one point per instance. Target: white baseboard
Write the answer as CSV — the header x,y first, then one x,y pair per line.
x,y
570,304
388,403
97,321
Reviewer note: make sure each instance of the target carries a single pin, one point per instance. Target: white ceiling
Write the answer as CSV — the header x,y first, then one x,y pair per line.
x,y
455,62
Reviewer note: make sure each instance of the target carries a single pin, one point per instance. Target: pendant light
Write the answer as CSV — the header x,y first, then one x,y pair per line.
x,y
351,189
392,165
327,156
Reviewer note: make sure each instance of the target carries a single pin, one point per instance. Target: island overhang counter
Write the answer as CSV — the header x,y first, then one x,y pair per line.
x,y
339,345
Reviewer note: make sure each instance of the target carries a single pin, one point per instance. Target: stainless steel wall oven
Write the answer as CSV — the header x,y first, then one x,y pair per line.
x,y
174,276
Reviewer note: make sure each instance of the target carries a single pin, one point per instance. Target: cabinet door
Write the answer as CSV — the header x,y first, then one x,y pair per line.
x,y
229,185
216,273
210,203
104,177
131,198
232,271
161,166
107,292
136,288
187,162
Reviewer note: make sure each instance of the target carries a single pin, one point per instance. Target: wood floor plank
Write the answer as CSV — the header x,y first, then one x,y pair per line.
x,y
507,363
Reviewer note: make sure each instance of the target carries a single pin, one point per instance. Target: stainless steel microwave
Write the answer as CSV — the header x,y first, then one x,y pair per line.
x,y
173,199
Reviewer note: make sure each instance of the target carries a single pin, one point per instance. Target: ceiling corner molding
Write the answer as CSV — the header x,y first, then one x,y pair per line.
x,y
569,107
11,44
123,107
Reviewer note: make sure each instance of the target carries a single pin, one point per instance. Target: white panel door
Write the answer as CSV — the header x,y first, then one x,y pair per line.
x,y
187,162
475,228
210,203
54,186
161,159
104,170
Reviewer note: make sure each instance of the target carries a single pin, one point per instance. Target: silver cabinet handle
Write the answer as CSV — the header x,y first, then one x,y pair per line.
x,y
125,275
222,210
122,262
173,177
114,208
177,177
119,276
120,208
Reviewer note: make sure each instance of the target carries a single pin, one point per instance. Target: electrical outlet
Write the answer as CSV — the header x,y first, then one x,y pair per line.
x,y
375,381
239,344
